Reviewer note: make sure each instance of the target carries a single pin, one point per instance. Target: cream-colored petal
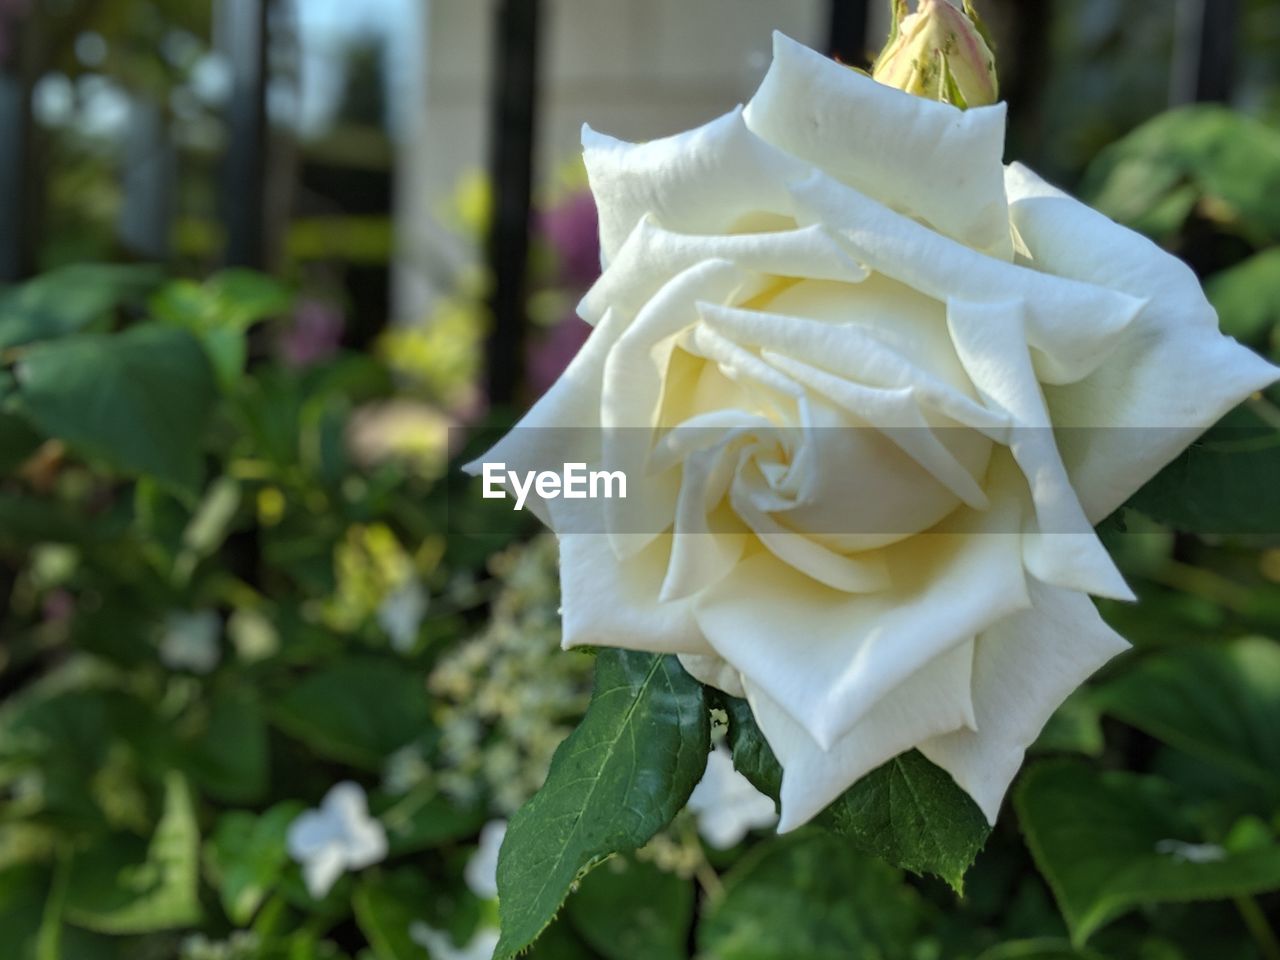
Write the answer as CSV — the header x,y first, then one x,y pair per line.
x,y
1168,377
714,672
857,350
850,650
608,602
562,427
635,377
1024,667
1063,549
802,555
919,156
703,551
711,180
934,700
896,414
1072,325
651,256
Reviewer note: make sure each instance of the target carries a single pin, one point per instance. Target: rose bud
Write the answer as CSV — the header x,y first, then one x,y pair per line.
x,y
939,52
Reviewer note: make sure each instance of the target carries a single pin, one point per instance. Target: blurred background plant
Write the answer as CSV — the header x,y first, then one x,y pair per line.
x,y
272,681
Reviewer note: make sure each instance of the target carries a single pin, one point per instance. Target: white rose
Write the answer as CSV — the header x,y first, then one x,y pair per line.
x,y
886,386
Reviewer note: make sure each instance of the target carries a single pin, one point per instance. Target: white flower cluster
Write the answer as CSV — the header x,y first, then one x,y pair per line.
x,y
241,945
505,698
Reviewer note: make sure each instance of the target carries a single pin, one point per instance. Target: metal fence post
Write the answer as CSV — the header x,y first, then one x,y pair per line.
x,y
20,191
1204,57
242,37
513,107
847,39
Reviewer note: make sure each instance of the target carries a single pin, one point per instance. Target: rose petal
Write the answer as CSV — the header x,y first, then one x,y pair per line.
x,y
827,657
1168,377
1024,668
562,427
934,700
651,256
922,157
992,342
634,376
1072,325
608,602
714,672
711,180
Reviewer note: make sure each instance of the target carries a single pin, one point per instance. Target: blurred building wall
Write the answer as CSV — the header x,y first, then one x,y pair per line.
x,y
637,69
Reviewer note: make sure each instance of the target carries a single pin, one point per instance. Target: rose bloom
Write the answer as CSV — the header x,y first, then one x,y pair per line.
x,y
872,389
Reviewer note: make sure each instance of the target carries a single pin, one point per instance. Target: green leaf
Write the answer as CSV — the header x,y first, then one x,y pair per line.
x,y
751,754
913,814
424,818
1075,727
357,711
1221,704
69,299
619,778
631,910
1109,842
1206,154
112,892
140,400
22,894
1247,297
220,311
1041,948
247,855
811,895
908,811
228,757
49,939
1224,483
17,441
231,300
68,735
386,910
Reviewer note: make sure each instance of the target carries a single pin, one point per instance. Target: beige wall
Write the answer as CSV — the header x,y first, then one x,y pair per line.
x,y
637,69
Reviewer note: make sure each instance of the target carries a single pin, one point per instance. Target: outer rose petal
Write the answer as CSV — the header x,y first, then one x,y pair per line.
x,y
651,256
1024,668
919,156
562,427
1171,372
612,602
713,671
929,702
828,658
1064,550
1072,325
703,181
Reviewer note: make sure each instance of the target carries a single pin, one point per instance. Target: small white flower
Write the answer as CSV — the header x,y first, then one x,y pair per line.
x,y
338,837
190,641
1191,852
481,873
404,770
401,612
726,803
440,945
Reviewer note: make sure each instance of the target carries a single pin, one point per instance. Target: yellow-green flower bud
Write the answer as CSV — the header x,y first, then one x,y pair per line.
x,y
941,52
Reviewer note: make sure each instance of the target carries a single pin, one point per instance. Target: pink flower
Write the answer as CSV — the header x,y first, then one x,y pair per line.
x,y
573,231
314,335
550,354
